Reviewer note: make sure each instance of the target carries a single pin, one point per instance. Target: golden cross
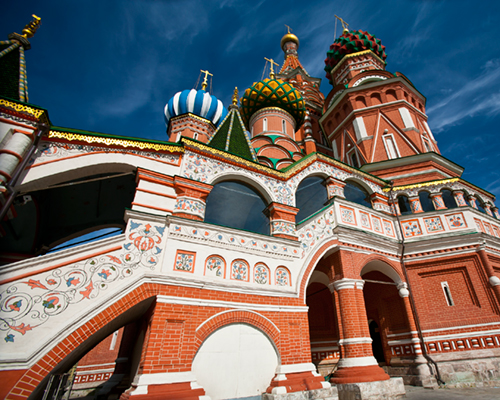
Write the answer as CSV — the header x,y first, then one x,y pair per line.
x,y
288,28
205,80
345,25
271,74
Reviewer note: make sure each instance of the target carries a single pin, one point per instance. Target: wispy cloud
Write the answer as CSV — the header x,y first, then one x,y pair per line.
x,y
478,96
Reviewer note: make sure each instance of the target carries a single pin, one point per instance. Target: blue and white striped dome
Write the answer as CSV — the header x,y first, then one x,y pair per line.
x,y
199,103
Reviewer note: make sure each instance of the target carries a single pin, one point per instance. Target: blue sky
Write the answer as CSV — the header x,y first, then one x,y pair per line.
x,y
110,66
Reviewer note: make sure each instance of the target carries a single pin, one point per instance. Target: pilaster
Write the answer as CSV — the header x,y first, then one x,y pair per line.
x,y
437,200
282,218
191,198
459,198
335,187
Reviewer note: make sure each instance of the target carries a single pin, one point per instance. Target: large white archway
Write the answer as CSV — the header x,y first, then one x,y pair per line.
x,y
235,361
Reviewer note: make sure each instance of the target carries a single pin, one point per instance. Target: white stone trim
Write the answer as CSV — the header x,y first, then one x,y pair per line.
x,y
360,340
464,327
359,128
295,368
347,283
402,334
357,362
462,335
415,341
225,304
229,311
406,117
141,382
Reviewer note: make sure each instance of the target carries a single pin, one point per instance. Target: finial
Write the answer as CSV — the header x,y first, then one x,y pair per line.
x,y
345,25
30,29
288,28
271,74
205,80
235,97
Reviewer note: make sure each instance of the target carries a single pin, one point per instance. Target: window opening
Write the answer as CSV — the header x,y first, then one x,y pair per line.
x,y
237,205
353,158
404,205
448,198
390,147
311,196
357,194
447,293
283,124
426,201
264,125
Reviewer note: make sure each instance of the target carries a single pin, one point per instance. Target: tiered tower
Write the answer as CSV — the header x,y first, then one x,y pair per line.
x,y
374,116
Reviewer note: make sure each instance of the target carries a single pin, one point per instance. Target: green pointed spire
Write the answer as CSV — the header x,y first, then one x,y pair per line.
x,y
230,135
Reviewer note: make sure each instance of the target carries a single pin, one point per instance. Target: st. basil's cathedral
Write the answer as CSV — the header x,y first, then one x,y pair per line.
x,y
284,246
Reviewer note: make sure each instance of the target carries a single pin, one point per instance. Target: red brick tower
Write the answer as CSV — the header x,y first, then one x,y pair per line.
x,y
372,115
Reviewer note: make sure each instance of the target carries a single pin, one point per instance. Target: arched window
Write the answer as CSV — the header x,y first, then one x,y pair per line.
x,y
480,205
264,125
448,198
283,125
426,201
237,205
310,197
357,194
404,205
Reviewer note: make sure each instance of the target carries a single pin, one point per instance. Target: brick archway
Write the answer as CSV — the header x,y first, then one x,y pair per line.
x,y
237,316
32,377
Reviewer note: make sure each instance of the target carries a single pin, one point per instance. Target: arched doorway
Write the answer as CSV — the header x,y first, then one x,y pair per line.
x,y
385,309
323,327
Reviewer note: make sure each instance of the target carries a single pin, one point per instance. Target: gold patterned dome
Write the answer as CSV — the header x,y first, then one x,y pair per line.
x,y
289,37
273,93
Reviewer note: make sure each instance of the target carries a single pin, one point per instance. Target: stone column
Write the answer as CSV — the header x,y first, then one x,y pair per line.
x,y
12,153
495,212
459,198
191,198
282,218
437,200
335,187
415,205
472,201
357,363
380,202
487,208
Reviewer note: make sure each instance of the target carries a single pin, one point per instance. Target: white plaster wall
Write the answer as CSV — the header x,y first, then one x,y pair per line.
x,y
236,361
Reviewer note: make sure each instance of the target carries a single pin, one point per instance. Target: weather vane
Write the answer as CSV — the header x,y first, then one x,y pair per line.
x,y
271,74
205,80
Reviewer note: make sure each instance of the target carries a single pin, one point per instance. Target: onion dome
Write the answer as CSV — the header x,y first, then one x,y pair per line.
x,y
197,102
289,37
352,42
273,93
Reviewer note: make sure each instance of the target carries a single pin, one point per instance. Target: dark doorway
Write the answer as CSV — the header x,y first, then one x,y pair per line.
x,y
378,351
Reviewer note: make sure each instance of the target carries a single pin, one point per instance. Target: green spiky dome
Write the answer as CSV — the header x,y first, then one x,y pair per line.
x,y
352,42
273,93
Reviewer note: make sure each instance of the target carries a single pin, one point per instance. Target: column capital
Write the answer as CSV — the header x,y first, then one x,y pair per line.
x,y
346,283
